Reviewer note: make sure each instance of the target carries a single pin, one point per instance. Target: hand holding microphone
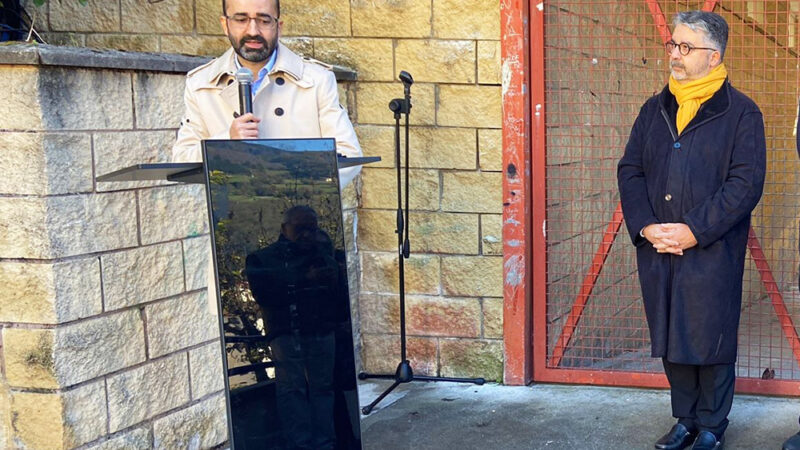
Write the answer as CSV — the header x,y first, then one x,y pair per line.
x,y
245,125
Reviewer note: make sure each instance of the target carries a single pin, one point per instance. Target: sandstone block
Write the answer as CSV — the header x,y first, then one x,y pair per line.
x,y
141,275
203,425
29,359
479,192
41,164
146,391
165,323
493,318
371,58
477,276
372,103
5,417
470,106
379,189
491,234
158,99
303,46
490,150
37,420
443,148
136,439
18,111
466,19
181,206
472,358
409,18
444,233
376,230
439,316
318,18
117,150
83,99
207,15
95,15
65,39
195,45
50,293
162,17
84,415
94,347
56,227
126,42
380,274
205,365
437,60
379,313
349,198
377,140
381,354
196,258
489,62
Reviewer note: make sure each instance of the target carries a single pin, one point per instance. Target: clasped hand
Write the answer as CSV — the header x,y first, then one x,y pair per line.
x,y
671,238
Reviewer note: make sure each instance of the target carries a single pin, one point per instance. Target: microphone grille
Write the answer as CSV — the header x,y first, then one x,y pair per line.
x,y
244,75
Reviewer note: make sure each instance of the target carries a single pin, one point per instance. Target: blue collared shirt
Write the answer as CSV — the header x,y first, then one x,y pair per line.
x,y
262,74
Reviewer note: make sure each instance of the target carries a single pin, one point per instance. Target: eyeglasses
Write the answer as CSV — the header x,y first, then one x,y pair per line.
x,y
241,21
683,47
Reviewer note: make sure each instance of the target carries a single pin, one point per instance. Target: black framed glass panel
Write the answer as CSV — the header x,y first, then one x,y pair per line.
x,y
284,303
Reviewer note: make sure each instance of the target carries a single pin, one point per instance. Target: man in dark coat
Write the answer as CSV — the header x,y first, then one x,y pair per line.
x,y
692,172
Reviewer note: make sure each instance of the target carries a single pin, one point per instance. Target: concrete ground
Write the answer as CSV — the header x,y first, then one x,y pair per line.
x,y
422,415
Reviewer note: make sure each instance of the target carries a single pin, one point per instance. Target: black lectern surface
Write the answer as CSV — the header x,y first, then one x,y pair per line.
x,y
282,276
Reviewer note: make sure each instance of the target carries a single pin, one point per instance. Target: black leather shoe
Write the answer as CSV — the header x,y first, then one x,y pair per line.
x,y
793,443
678,438
706,440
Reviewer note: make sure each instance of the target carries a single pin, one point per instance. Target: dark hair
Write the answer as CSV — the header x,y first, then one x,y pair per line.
x,y
277,8
714,26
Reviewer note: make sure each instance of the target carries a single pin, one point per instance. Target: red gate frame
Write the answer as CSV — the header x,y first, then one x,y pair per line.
x,y
516,231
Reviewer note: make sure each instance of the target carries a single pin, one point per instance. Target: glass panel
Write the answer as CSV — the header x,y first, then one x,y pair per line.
x,y
282,277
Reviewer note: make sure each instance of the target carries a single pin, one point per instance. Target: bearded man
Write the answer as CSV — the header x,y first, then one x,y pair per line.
x,y
692,172
293,97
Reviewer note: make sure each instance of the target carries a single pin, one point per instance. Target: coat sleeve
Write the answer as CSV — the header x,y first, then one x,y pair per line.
x,y
334,123
632,183
742,188
193,130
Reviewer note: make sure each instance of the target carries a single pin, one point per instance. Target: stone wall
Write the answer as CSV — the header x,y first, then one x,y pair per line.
x,y
452,49
108,337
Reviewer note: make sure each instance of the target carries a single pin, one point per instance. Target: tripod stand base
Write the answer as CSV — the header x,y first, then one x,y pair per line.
x,y
405,374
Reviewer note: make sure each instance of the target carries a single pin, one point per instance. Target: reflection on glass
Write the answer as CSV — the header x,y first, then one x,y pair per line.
x,y
284,297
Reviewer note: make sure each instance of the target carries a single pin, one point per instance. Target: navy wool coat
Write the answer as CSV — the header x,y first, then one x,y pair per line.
x,y
709,177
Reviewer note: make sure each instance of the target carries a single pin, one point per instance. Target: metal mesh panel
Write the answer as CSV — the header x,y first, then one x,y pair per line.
x,y
603,59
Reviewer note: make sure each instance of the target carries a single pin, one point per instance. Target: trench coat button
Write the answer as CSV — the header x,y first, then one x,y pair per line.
x,y
668,197
278,111
677,145
279,81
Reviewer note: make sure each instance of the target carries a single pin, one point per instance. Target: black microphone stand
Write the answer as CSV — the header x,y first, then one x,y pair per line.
x,y
404,373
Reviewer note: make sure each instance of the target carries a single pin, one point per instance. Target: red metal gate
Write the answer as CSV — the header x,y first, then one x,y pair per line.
x,y
593,64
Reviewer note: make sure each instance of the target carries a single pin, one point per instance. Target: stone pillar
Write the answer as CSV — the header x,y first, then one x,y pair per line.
x,y
107,337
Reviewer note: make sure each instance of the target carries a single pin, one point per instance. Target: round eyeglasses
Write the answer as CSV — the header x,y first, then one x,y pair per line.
x,y
683,47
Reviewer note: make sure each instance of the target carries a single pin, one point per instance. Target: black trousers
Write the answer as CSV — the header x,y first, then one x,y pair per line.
x,y
701,395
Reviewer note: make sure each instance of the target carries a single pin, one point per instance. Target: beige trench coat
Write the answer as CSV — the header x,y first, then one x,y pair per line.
x,y
299,99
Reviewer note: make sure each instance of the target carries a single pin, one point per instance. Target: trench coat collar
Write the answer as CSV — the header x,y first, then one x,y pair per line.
x,y
222,71
718,104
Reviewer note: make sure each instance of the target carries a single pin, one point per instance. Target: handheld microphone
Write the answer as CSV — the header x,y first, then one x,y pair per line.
x,y
407,80
245,78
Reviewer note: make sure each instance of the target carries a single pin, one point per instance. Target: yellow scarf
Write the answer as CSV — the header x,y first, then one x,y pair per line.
x,y
692,94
